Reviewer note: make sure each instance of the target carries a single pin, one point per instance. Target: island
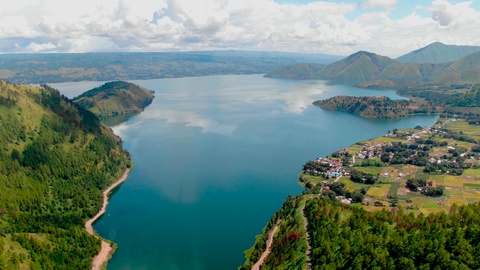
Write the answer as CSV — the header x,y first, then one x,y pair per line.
x,y
115,99
406,200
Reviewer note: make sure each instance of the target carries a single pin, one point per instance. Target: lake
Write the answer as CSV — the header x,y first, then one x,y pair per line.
x,y
214,158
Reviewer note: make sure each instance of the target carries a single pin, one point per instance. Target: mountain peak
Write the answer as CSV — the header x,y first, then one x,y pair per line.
x,y
437,53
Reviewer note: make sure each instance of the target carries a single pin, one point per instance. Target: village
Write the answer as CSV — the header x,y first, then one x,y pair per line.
x,y
433,152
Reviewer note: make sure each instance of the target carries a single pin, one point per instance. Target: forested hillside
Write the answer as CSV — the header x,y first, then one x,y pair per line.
x,y
55,159
373,107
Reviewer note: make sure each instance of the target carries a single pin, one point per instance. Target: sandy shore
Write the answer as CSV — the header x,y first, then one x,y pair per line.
x,y
265,253
106,248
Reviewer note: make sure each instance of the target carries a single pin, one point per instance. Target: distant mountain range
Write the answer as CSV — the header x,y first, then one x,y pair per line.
x,y
437,53
51,68
375,70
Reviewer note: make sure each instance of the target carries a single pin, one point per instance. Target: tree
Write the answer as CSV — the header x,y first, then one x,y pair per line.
x,y
357,196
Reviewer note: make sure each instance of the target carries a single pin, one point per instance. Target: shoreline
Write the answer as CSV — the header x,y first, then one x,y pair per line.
x,y
102,256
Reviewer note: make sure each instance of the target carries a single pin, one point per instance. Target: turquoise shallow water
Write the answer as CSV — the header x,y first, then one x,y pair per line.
x,y
214,159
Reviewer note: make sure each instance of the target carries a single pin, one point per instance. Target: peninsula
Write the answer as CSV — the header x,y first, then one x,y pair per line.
x,y
407,200
116,98
374,107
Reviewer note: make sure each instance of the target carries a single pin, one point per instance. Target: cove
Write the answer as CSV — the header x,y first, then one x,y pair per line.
x,y
214,158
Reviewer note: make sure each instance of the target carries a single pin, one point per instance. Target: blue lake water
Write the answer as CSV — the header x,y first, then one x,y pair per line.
x,y
214,158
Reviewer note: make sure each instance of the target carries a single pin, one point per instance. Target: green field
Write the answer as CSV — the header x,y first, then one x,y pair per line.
x,y
379,191
461,189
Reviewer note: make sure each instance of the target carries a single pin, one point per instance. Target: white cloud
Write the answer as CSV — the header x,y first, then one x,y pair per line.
x,y
145,25
386,4
35,47
453,15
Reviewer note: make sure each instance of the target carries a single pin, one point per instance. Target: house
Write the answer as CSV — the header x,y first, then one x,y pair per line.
x,y
334,174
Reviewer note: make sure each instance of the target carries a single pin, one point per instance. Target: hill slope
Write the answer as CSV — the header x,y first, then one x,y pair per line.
x,y
116,98
465,70
298,71
437,53
358,67
55,159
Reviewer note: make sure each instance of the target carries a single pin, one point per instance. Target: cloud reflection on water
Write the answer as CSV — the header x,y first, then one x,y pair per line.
x,y
191,119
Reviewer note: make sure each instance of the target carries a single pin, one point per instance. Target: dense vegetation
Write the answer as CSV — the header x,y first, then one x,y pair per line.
x,y
55,160
289,246
348,237
116,98
373,107
345,237
469,99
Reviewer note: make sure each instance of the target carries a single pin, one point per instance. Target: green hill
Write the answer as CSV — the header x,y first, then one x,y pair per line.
x,y
437,53
116,98
465,70
358,67
55,160
298,71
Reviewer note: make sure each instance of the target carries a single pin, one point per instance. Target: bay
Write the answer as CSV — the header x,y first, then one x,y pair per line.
x,y
214,158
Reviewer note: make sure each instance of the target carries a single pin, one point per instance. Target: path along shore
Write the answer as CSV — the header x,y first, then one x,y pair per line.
x,y
106,248
265,253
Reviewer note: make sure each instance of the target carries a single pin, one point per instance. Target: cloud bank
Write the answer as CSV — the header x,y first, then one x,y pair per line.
x,y
180,25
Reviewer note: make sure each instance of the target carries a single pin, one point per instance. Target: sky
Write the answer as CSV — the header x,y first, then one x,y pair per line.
x,y
386,27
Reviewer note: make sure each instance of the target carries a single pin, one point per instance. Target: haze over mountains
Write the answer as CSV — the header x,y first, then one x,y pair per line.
x,y
51,68
367,67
